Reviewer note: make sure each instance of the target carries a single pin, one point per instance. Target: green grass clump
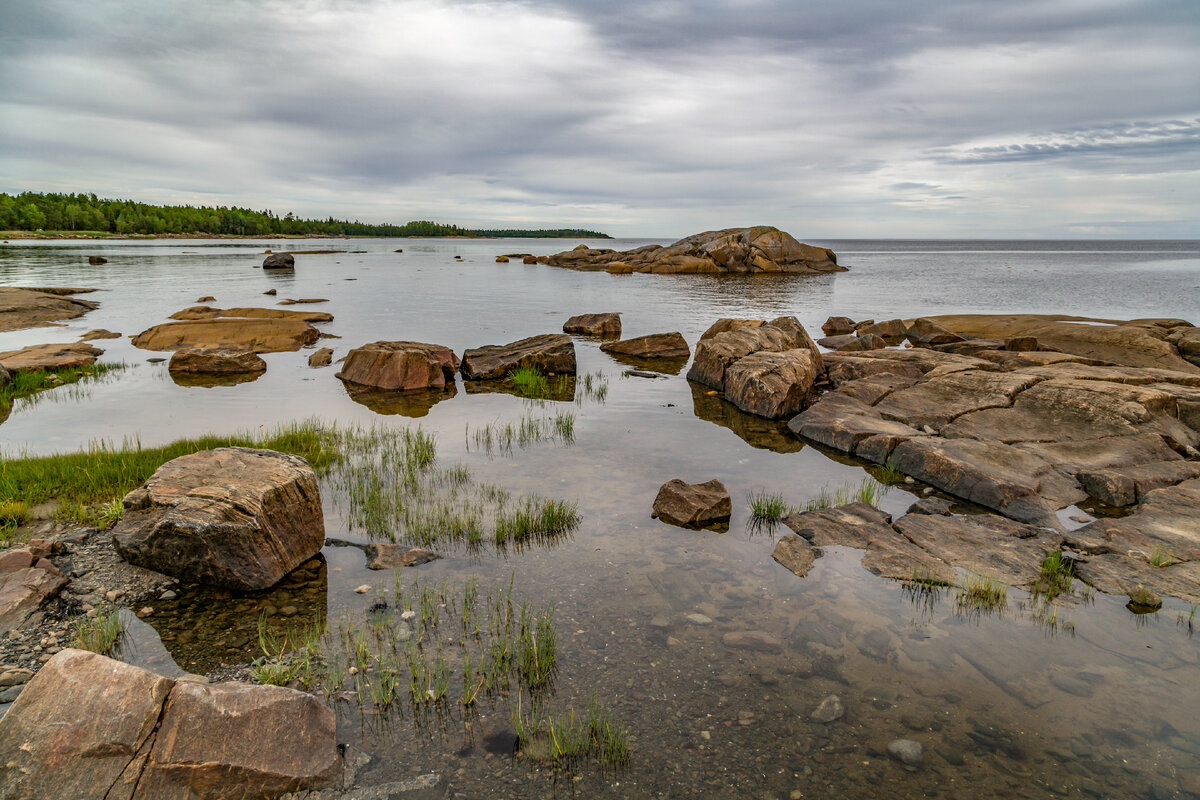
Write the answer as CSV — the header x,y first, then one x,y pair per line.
x,y
528,381
26,383
1055,576
981,593
767,506
563,739
99,634
888,473
536,519
1162,557
13,514
869,491
538,649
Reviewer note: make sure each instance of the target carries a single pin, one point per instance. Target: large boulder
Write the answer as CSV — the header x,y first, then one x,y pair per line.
x,y
279,261
693,505
549,353
654,345
87,727
215,361
761,250
607,324
234,517
50,357
35,308
26,582
274,335
717,352
773,385
400,366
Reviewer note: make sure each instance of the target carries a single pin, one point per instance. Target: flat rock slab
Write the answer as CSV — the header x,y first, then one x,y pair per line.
x,y
549,353
234,517
206,312
50,356
654,345
1167,521
273,335
400,366
605,324
34,308
693,505
215,361
1127,486
87,727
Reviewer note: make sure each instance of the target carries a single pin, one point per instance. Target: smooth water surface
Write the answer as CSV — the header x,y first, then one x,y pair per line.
x,y
1092,702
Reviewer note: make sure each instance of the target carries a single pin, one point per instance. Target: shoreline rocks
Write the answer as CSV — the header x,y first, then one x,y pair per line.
x,y
399,366
50,357
279,261
22,307
651,346
215,361
548,353
605,324
256,335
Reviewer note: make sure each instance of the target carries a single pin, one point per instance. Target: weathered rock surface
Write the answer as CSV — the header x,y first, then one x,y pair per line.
x,y
926,331
838,326
33,308
835,342
279,261
606,324
773,385
91,728
733,250
892,331
207,312
550,353
234,517
400,366
50,356
654,345
26,582
322,357
1127,486
726,324
693,505
256,335
99,333
386,555
866,341
215,361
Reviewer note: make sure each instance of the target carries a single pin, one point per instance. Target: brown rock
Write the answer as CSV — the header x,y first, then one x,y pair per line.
x,y
256,335
206,312
234,517
926,331
50,357
99,333
939,400
400,366
1128,485
654,345
96,261
1021,343
321,358
279,261
26,582
693,505
550,353
773,385
528,260
501,259
840,369
717,353
619,268
386,555
303,301
725,324
208,298
893,331
796,554
215,361
606,324
866,341
838,326
240,741
82,722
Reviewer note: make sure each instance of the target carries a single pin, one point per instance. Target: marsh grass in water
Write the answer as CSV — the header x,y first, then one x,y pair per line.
x,y
767,506
27,385
1055,577
99,634
888,473
869,491
531,429
564,739
979,593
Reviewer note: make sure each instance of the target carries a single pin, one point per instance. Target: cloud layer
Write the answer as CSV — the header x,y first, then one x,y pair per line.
x,y
865,118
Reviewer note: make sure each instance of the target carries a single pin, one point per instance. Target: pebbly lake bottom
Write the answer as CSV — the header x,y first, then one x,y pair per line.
x,y
709,654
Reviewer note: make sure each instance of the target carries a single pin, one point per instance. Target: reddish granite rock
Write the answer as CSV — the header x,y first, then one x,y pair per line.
x,y
693,505
606,324
215,361
654,345
400,366
549,353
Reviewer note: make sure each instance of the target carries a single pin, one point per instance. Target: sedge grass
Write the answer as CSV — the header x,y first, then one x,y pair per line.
x,y
767,506
98,634
25,384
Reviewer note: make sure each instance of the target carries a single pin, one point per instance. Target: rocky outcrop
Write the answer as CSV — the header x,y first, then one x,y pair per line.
x,y
1127,486
27,580
759,250
234,517
654,345
279,261
207,312
255,335
34,308
607,324
926,331
91,728
838,326
765,368
400,366
549,353
215,361
693,505
50,356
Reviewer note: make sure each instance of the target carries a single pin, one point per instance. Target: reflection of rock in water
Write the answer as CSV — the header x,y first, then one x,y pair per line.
x,y
209,381
667,366
206,628
413,403
559,388
759,432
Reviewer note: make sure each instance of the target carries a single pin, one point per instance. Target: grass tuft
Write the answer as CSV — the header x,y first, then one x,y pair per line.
x,y
767,506
981,593
98,634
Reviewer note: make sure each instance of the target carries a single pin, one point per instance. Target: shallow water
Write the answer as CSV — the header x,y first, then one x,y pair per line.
x,y
1101,703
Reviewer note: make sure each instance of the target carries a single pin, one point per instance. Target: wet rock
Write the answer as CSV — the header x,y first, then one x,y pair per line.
x,y
655,345
869,341
208,298
97,260
907,752
501,259
1126,486
838,326
26,583
279,261
50,357
1143,601
549,353
829,710
796,554
734,250
32,308
605,324
698,505
321,358
759,641
99,333
385,555
206,312
698,619
400,366
837,342
234,517
215,361
926,331
270,292
930,505
256,335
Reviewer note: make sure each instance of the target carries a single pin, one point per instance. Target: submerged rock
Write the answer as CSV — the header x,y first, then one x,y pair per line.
x,y
400,366
693,505
215,361
234,517
549,353
607,324
907,752
733,250
830,710
50,357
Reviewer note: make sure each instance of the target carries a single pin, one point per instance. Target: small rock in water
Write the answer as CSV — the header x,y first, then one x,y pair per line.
x,y
409,614
363,589
698,619
144,612
169,594
1080,518
830,709
906,751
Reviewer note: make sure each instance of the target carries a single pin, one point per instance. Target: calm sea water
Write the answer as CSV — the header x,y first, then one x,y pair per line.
x,y
1101,703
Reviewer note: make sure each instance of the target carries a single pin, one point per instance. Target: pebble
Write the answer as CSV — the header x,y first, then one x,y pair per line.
x,y
409,614
906,751
289,611
10,694
114,594
698,619
830,709
169,594
1080,518
144,612
363,589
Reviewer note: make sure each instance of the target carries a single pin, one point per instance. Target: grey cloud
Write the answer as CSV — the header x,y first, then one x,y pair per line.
x,y
1132,139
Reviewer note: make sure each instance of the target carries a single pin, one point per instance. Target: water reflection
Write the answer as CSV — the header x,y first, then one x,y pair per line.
x,y
192,380
413,403
560,389
666,366
765,434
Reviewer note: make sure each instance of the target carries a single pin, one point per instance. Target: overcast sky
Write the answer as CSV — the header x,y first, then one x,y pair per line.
x,y
855,118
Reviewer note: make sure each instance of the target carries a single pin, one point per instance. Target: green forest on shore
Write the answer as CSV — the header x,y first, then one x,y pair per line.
x,y
52,213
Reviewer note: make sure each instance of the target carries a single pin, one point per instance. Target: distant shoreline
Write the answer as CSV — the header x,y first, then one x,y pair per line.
x,y
101,236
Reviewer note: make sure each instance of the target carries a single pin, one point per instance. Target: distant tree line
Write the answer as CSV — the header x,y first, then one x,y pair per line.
x,y
35,211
